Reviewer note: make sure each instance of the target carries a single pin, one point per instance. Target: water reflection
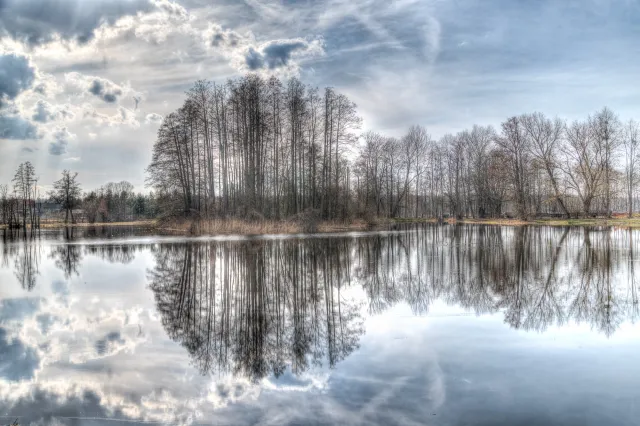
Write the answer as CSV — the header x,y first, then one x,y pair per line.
x,y
255,308
235,304
282,310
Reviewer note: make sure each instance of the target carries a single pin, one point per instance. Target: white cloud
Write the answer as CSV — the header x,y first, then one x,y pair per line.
x,y
61,138
17,74
169,18
39,22
245,53
280,54
13,126
99,87
153,118
44,112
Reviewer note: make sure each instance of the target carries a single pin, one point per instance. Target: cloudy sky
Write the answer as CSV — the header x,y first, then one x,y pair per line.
x,y
85,83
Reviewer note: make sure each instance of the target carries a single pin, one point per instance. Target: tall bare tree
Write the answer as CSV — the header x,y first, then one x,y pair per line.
x,y
545,136
67,193
583,163
513,142
25,186
605,127
631,142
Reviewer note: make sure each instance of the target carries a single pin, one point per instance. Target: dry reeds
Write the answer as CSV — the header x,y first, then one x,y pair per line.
x,y
257,227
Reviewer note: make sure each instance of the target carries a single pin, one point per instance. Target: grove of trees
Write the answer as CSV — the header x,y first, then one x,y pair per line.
x,y
19,208
256,147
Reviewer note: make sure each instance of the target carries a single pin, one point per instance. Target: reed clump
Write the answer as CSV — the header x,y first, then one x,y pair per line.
x,y
305,224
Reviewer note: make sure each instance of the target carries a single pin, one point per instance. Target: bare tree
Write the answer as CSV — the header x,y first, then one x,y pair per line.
x,y
513,142
455,151
605,127
631,142
479,144
67,193
24,186
545,137
583,163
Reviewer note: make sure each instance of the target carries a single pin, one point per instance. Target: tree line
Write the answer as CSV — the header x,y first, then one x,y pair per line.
x,y
257,148
263,147
23,204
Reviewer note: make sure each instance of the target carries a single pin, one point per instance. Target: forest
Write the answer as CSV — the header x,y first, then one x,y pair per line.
x,y
266,149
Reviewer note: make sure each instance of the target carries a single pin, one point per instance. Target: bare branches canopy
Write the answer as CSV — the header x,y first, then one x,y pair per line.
x,y
266,148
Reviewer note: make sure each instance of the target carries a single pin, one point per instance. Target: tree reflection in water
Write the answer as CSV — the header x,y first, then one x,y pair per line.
x,y
258,307
255,307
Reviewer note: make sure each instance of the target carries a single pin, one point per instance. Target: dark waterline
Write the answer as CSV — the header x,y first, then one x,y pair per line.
x,y
446,325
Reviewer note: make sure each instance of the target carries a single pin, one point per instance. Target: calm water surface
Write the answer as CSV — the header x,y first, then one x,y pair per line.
x,y
428,325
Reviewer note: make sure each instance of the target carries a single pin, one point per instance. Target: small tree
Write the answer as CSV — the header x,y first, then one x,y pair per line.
x,y
66,192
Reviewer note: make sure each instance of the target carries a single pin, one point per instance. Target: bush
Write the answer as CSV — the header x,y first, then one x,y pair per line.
x,y
308,220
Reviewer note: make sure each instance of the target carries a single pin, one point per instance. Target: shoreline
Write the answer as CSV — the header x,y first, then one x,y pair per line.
x,y
62,225
622,222
245,227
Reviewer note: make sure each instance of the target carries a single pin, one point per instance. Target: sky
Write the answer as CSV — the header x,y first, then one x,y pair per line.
x,y
84,84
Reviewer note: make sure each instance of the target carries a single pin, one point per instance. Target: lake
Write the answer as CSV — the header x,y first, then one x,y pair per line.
x,y
419,325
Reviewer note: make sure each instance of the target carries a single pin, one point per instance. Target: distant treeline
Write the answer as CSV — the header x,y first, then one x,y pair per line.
x,y
25,205
274,149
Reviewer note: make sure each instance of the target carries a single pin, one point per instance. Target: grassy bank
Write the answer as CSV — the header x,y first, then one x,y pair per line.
x,y
59,225
616,221
228,226
245,227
